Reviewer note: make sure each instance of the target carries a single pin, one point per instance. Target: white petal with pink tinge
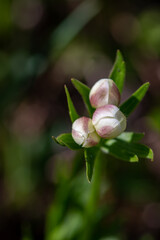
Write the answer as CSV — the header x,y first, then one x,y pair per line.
x,y
104,92
83,132
109,121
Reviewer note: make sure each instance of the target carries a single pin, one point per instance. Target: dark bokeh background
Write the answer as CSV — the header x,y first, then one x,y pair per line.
x,y
43,189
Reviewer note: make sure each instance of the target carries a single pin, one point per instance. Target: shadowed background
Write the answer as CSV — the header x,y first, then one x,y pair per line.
x,y
43,188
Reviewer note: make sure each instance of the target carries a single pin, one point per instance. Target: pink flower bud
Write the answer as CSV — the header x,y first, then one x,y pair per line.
x,y
83,132
109,121
104,92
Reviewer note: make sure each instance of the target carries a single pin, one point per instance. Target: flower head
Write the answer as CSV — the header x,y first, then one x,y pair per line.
x,y
83,132
109,121
104,92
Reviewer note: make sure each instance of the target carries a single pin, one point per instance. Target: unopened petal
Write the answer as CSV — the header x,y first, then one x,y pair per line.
x,y
114,94
104,92
84,133
78,137
105,111
81,125
109,121
92,140
106,126
99,93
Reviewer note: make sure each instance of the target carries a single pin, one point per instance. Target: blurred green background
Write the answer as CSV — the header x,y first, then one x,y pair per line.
x,y
44,193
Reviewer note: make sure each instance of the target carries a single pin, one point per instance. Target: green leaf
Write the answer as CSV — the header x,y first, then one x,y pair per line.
x,y
84,92
130,104
141,150
90,155
66,139
114,149
72,111
118,71
131,150
131,136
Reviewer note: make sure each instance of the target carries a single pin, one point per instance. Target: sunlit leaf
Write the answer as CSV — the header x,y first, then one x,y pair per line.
x,y
90,155
130,104
131,136
127,150
141,150
84,92
118,71
66,139
114,149
72,111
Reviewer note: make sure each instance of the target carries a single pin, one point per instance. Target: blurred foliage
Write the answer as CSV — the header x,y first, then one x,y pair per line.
x,y
43,190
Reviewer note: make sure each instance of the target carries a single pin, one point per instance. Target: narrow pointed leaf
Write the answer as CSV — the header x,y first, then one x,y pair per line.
x,y
72,111
122,149
131,103
84,92
66,139
114,149
118,71
90,155
141,150
131,136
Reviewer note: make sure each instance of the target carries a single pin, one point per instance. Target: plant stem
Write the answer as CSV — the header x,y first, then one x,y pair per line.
x,y
91,206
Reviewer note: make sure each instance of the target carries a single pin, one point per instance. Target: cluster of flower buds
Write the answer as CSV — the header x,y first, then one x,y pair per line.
x,y
107,121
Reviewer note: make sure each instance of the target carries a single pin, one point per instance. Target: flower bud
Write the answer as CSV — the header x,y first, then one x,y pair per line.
x,y
104,92
109,121
83,132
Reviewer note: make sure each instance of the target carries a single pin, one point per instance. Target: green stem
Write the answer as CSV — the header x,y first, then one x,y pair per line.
x,y
91,207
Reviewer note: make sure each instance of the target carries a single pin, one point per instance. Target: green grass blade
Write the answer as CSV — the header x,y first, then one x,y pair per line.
x,y
70,27
72,111
131,103
84,92
118,71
